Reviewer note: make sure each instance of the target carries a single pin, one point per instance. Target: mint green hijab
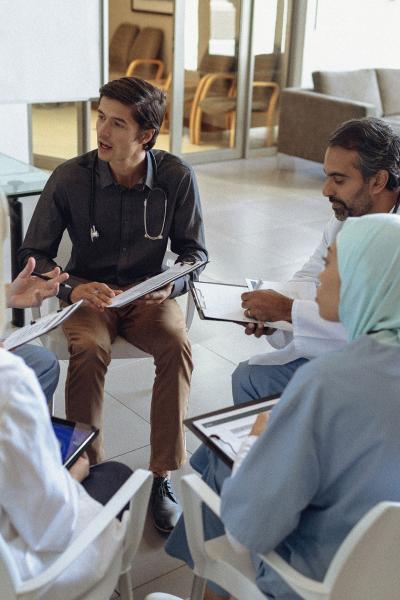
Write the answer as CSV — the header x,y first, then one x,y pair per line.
x,y
369,267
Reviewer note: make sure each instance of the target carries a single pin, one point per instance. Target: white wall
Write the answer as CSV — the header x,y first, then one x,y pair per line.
x,y
351,34
49,50
14,131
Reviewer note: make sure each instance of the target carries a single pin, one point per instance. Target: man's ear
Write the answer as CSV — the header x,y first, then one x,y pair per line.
x,y
147,135
378,181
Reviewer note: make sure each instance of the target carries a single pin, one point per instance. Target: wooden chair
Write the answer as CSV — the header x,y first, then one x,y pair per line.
x,y
144,55
136,55
120,48
265,99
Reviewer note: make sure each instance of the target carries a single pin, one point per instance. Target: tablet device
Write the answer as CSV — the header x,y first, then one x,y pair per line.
x,y
74,438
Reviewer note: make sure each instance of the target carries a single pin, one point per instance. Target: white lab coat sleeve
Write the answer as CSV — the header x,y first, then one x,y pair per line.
x,y
313,266
30,463
312,334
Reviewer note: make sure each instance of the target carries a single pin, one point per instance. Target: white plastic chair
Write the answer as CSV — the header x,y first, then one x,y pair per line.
x,y
135,490
366,565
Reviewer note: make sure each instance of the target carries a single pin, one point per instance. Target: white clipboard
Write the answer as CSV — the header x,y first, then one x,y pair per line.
x,y
155,283
39,327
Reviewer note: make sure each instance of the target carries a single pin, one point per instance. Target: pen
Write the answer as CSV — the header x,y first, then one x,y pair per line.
x,y
64,285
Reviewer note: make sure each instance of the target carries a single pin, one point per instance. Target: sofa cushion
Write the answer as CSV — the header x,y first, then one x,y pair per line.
x,y
389,85
360,85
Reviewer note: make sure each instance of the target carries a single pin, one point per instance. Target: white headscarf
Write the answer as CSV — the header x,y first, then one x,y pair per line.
x,y
3,236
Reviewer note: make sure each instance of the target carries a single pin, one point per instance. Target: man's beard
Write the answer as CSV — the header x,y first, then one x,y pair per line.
x,y
342,211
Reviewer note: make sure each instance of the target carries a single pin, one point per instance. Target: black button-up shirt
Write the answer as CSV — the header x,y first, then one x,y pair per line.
x,y
121,255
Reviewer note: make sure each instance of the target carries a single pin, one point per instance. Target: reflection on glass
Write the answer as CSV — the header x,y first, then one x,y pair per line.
x,y
54,132
211,34
269,31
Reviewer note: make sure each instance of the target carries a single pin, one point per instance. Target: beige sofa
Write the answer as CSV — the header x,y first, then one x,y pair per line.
x,y
307,117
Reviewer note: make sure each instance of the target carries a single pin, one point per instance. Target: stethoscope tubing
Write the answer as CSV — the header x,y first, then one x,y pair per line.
x,y
94,234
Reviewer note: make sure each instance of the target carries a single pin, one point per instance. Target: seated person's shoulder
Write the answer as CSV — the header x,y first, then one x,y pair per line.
x,y
169,165
69,170
14,373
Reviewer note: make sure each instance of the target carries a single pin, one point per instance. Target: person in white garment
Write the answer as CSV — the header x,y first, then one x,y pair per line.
x,y
362,169
43,507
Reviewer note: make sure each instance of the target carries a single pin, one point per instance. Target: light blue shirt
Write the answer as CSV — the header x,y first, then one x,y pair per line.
x,y
330,453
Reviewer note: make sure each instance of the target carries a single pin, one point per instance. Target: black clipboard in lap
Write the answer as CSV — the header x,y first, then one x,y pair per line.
x,y
222,302
207,427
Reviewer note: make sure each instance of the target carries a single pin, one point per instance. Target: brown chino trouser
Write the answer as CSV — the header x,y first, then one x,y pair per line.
x,y
159,330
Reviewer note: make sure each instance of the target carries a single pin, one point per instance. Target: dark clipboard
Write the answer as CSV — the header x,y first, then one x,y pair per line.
x,y
199,307
74,438
243,320
208,441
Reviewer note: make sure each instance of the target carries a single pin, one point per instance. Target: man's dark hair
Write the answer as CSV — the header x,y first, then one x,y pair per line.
x,y
376,143
148,103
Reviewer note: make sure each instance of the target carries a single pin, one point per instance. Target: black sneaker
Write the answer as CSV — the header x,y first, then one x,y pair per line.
x,y
164,506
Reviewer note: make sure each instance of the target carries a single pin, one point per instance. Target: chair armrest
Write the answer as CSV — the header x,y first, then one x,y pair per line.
x,y
207,81
299,582
203,492
194,493
145,61
90,533
307,119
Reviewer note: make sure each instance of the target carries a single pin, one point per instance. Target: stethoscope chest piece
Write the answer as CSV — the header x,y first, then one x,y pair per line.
x,y
94,234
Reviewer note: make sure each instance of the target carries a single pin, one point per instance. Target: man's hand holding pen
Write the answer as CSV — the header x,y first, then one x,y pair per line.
x,y
30,289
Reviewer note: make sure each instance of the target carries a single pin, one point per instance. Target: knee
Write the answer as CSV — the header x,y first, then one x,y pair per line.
x,y
89,349
240,375
53,367
176,342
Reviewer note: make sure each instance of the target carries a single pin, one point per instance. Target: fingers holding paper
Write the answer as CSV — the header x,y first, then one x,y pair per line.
x,y
156,297
267,305
258,329
95,294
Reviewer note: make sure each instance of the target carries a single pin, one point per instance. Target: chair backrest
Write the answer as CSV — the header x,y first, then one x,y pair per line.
x,y
266,68
218,63
138,511
136,492
360,85
121,45
367,564
147,44
215,559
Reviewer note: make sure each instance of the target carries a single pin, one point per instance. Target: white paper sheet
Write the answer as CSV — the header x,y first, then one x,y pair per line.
x,y
41,326
154,283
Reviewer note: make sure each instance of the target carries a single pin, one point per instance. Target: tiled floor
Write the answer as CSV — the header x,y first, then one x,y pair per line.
x,y
263,217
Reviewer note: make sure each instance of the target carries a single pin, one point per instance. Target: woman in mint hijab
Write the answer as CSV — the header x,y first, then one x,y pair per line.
x,y
331,447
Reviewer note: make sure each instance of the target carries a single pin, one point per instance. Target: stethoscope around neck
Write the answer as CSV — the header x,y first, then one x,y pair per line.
x,y
94,234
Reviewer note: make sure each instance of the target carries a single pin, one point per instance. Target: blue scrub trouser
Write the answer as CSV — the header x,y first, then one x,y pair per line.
x,y
249,382
45,365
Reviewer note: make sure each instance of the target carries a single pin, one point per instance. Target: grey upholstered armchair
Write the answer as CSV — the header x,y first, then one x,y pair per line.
x,y
307,117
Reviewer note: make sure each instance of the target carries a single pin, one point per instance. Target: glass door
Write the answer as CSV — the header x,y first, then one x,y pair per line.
x,y
208,60
268,71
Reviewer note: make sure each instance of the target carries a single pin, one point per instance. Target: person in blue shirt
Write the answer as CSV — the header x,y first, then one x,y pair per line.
x,y
330,449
